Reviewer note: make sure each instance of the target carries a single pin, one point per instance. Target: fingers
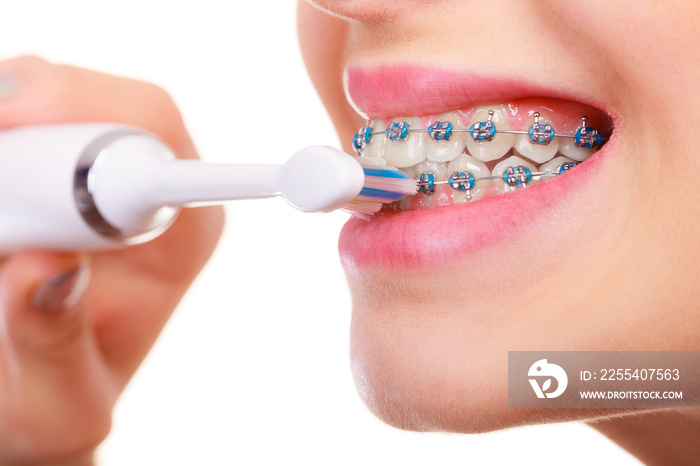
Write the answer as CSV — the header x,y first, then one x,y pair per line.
x,y
34,91
41,301
133,290
51,370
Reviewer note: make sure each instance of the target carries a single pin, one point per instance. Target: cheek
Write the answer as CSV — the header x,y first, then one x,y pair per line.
x,y
647,45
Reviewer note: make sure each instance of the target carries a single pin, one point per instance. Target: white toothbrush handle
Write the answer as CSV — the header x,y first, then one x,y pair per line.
x,y
46,182
101,186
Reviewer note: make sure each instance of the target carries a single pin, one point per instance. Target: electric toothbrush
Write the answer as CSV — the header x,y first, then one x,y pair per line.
x,y
101,186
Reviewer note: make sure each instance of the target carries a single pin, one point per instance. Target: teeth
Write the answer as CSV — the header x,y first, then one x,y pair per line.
x,y
439,168
406,201
440,171
512,161
401,154
538,153
376,147
574,152
444,151
410,172
553,165
467,163
500,144
423,149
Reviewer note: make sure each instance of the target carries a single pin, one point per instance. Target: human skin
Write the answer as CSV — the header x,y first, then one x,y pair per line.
x,y
62,368
429,339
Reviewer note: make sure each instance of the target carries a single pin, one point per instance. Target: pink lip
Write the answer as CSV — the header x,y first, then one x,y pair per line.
x,y
415,239
407,90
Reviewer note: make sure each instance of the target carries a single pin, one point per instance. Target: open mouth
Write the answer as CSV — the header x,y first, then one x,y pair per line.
x,y
483,151
492,157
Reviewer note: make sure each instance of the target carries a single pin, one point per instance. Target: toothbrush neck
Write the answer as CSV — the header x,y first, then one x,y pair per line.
x,y
183,182
137,184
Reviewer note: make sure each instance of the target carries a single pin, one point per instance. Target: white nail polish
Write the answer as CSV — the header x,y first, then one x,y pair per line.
x,y
8,85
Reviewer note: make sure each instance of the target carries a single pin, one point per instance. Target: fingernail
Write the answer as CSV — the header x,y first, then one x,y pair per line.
x,y
8,85
62,291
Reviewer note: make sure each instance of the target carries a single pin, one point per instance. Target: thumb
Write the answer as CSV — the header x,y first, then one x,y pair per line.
x,y
40,297
55,398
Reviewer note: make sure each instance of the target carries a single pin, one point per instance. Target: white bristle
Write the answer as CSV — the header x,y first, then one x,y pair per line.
x,y
362,209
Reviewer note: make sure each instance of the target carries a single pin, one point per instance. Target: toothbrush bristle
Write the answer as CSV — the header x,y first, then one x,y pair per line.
x,y
383,185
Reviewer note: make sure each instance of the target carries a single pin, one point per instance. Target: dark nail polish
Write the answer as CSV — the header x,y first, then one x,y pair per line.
x,y
62,291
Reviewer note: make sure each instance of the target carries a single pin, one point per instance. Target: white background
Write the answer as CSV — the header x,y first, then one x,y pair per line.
x,y
253,367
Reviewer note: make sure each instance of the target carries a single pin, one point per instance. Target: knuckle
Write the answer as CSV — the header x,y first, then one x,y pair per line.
x,y
161,102
58,93
162,116
27,62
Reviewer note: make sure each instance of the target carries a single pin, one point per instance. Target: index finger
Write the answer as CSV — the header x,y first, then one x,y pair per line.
x,y
56,93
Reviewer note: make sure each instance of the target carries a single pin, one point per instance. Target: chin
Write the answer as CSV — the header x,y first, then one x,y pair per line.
x,y
424,368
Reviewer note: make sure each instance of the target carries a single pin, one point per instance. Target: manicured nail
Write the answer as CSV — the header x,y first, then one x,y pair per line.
x,y
8,85
62,291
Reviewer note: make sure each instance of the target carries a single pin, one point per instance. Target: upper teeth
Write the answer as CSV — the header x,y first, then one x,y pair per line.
x,y
409,151
405,143
540,152
501,142
446,150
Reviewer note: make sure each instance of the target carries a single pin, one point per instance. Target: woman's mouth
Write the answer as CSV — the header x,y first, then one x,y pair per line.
x,y
479,152
491,158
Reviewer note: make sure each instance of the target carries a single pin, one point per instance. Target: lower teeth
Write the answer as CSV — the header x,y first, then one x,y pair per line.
x,y
464,183
514,177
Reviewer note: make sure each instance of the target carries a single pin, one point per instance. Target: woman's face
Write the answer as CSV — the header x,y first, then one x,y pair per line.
x,y
603,257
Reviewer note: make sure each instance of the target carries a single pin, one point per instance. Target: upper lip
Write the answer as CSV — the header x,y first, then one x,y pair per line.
x,y
407,90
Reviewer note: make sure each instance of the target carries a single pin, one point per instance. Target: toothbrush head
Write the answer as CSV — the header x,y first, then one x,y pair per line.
x,y
383,185
321,179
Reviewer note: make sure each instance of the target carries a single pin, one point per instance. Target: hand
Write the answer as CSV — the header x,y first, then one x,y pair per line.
x,y
74,327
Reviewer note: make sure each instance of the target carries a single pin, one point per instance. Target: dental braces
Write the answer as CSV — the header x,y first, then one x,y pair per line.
x,y
516,177
482,131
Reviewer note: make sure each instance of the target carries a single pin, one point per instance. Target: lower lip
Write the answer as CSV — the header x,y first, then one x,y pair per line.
x,y
423,238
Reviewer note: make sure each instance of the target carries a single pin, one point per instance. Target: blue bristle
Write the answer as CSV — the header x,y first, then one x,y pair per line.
x,y
380,193
384,172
